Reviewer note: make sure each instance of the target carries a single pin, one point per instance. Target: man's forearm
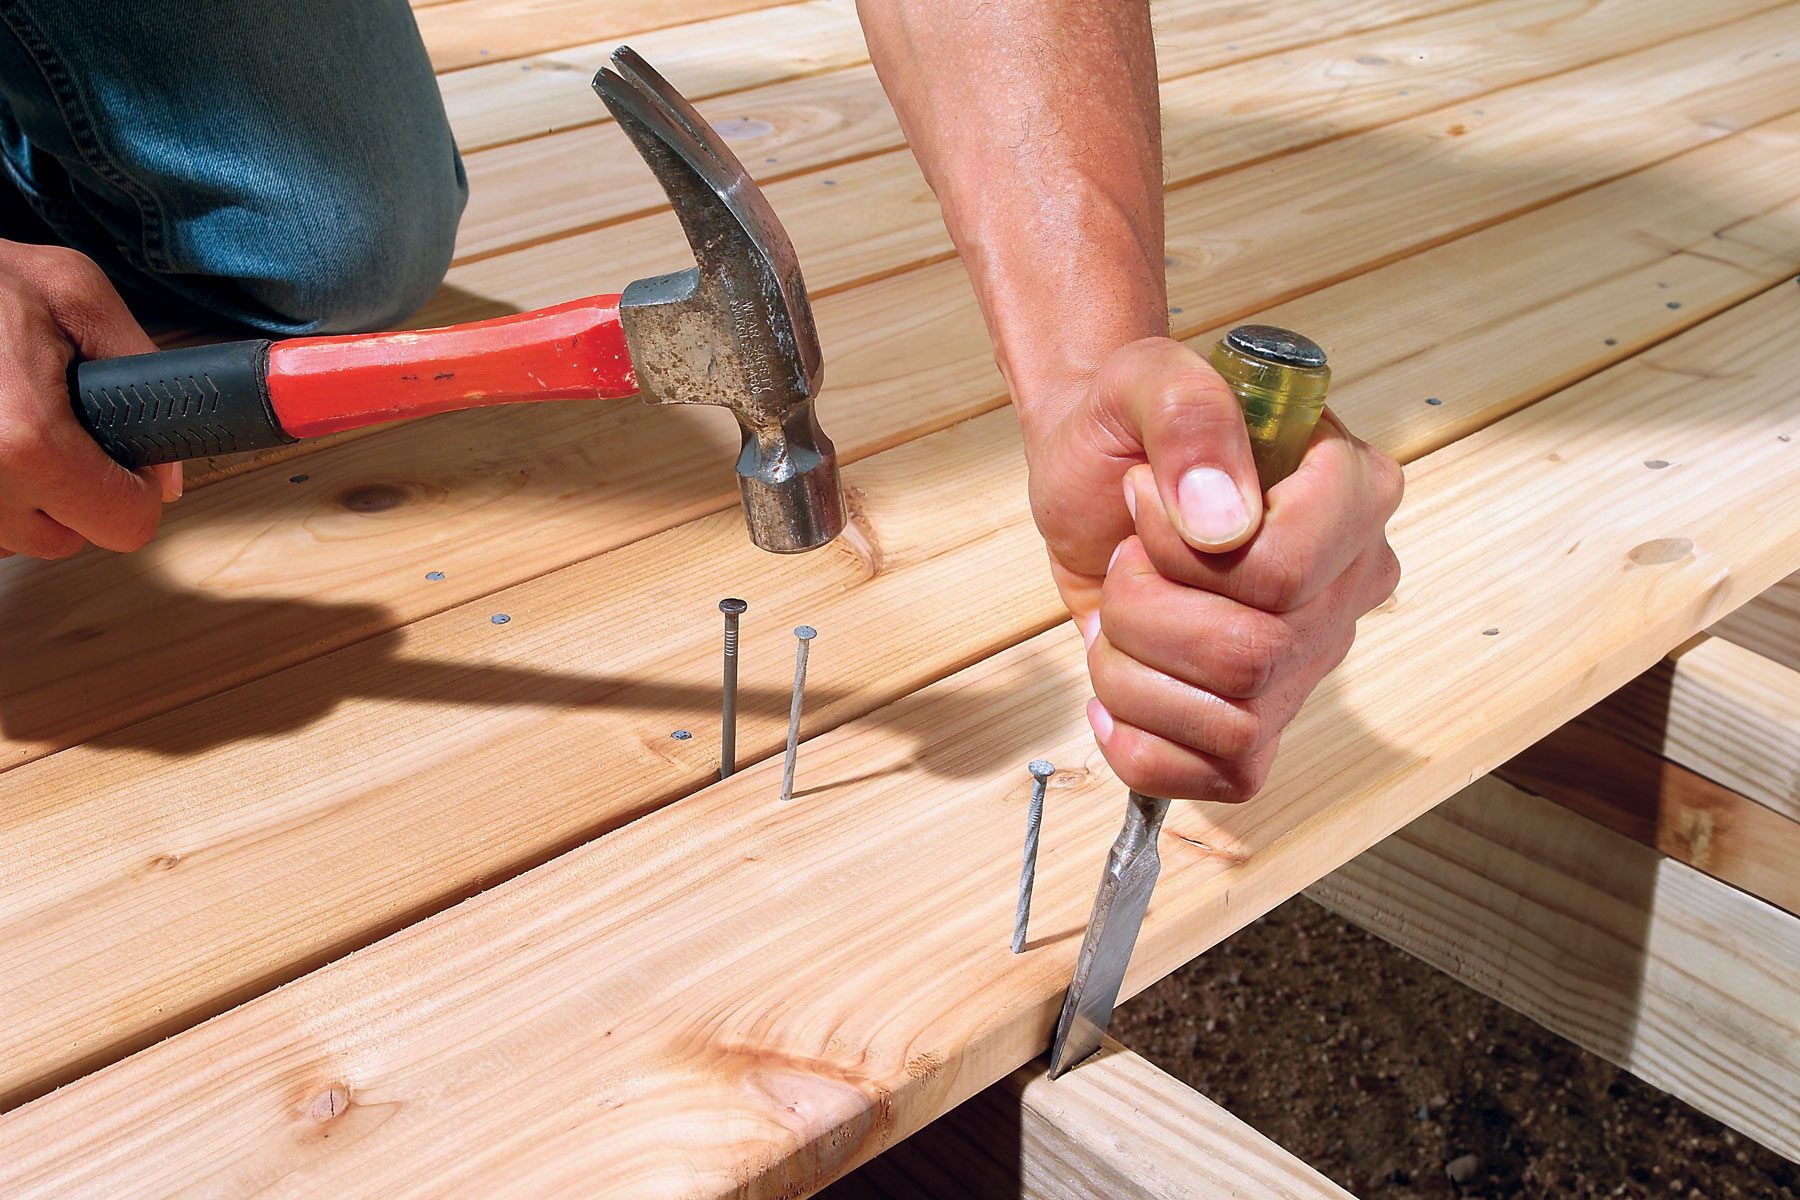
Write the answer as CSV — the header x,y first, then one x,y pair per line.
x,y
1037,125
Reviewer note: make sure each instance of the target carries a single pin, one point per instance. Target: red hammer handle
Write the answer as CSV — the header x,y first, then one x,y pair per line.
x,y
200,400
573,351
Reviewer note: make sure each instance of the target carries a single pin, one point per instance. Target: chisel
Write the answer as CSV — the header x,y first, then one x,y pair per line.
x,y
1280,379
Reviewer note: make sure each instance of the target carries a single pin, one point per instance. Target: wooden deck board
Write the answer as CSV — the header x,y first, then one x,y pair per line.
x,y
1644,961
1588,181
455,494
1217,115
733,996
234,883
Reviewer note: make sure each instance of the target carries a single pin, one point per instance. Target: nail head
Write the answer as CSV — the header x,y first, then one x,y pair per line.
x,y
434,576
1040,768
806,633
681,735
499,618
732,605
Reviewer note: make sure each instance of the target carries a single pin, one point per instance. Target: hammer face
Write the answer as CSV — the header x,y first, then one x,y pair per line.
x,y
693,342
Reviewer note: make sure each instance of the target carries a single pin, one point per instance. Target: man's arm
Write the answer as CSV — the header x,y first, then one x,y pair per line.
x,y
1207,621
1038,126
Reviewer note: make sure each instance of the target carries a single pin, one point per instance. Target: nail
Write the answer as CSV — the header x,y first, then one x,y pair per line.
x,y
803,637
1130,498
1117,550
1090,629
1212,509
733,608
1041,771
1101,720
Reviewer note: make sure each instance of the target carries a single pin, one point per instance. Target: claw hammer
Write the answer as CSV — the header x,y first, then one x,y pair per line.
x,y
735,330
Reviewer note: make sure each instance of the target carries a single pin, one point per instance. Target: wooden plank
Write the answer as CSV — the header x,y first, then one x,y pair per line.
x,y
1682,981
1213,120
1118,1127
465,33
508,102
1769,624
863,983
496,103
460,492
1654,801
1723,712
733,996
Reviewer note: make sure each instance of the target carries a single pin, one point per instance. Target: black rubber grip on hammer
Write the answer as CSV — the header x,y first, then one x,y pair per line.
x,y
179,404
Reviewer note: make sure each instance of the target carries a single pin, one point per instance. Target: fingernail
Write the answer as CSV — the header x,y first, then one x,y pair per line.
x,y
1117,550
1212,510
1130,498
1101,720
1090,628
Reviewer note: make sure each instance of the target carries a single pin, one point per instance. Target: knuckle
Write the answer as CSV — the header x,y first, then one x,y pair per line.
x,y
1254,649
133,532
1229,732
64,543
1388,574
1279,582
1390,483
26,444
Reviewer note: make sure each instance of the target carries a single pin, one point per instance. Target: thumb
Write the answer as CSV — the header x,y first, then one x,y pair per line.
x,y
1192,432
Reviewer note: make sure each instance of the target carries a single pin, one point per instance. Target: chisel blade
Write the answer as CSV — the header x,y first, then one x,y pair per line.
x,y
1119,906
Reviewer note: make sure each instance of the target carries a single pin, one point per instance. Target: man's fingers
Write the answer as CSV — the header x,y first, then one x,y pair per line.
x,y
1204,639
37,536
1159,767
82,488
1192,431
169,479
83,302
1317,522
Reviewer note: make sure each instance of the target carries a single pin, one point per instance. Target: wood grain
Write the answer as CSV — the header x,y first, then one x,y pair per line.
x,y
1665,806
508,102
1769,624
465,33
1224,116
1722,711
733,996
496,103
1675,977
462,492
1119,1127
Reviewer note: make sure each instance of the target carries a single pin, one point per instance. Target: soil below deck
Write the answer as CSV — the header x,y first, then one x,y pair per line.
x,y
1389,1076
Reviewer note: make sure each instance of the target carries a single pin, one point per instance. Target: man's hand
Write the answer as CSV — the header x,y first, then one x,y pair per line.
x,y
58,489
1208,619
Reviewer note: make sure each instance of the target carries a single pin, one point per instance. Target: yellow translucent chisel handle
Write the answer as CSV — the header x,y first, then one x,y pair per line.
x,y
1280,379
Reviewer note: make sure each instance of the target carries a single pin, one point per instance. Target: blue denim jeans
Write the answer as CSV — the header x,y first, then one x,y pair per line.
x,y
283,164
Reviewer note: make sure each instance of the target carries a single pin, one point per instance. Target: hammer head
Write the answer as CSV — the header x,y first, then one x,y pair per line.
x,y
736,330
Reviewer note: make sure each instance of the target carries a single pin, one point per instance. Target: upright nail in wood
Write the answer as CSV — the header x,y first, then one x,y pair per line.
x,y
804,636
733,609
1041,771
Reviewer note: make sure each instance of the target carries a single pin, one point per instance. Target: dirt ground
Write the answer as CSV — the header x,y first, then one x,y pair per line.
x,y
1391,1078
